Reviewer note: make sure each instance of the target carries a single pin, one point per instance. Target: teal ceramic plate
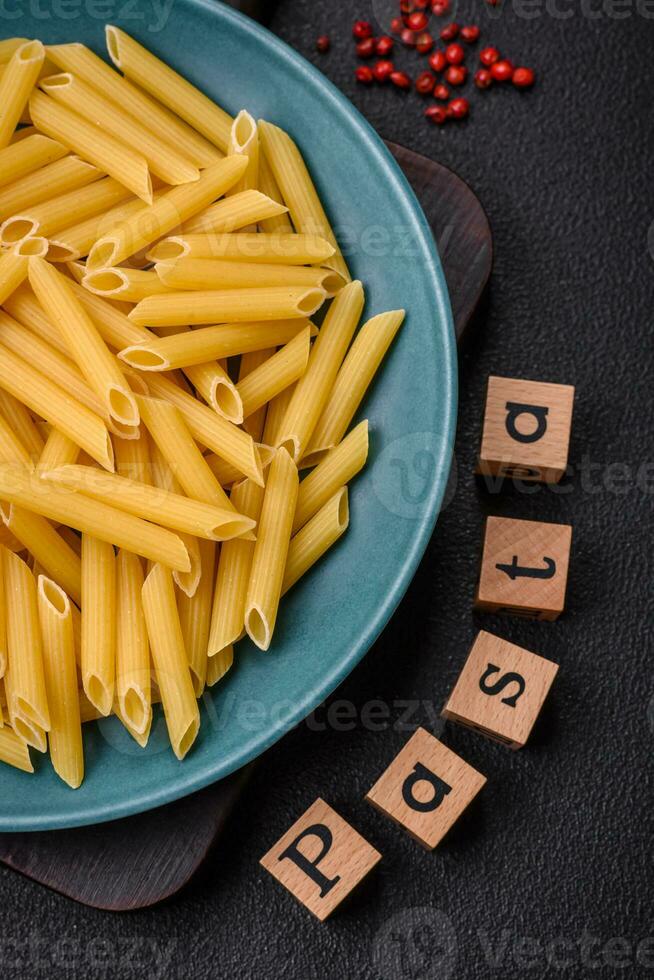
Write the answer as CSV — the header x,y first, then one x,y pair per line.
x,y
334,615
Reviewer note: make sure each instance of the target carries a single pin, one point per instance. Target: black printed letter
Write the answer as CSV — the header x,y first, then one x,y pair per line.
x,y
422,774
310,868
515,409
501,683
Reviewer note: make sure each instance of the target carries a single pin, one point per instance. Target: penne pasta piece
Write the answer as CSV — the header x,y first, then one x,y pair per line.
x,y
170,660
142,67
227,306
298,191
27,700
316,537
214,274
59,450
28,156
133,689
226,474
352,381
218,665
87,347
50,181
133,457
113,326
21,423
244,140
53,404
278,249
336,469
153,503
76,240
88,66
132,285
23,133
199,346
167,212
14,264
26,310
256,418
16,85
14,751
234,565
214,385
8,46
162,159
48,548
275,416
275,374
271,549
169,431
12,449
280,223
98,622
65,735
93,517
50,216
313,389
195,618
239,211
3,629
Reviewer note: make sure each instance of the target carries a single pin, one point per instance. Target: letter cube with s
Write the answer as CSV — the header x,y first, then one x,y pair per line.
x,y
320,859
426,788
500,690
526,430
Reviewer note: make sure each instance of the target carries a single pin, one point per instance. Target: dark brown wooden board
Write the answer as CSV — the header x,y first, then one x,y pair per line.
x,y
142,860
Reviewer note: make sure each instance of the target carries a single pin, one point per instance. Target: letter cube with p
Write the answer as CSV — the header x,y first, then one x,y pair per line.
x,y
500,690
426,788
320,859
526,430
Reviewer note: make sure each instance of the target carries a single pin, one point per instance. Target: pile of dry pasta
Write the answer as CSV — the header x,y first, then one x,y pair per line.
x,y
161,387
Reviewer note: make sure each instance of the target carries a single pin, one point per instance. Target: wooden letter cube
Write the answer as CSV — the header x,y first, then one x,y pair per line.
x,y
426,788
320,859
500,690
524,568
526,430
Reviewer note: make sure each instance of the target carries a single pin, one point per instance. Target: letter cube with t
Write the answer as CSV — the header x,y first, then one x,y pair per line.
x,y
320,859
524,568
526,430
426,788
500,690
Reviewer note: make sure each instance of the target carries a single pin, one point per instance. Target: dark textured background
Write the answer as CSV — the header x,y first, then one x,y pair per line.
x,y
558,846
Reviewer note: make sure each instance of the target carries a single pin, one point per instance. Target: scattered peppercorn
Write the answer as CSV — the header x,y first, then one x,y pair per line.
x,y
401,80
366,48
438,61
417,22
408,38
454,54
362,29
384,45
483,78
449,32
436,114
440,7
424,43
397,25
382,70
502,71
458,108
470,33
523,78
488,56
456,74
425,83
323,44
364,75
441,92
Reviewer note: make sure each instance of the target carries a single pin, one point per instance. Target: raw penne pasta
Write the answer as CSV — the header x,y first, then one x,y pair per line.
x,y
27,700
12,449
16,85
95,361
218,665
226,474
53,404
336,469
59,450
169,509
234,565
271,549
21,423
27,156
167,212
298,190
74,241
132,285
195,618
84,63
313,389
256,418
8,46
170,660
227,306
178,95
215,274
14,264
213,384
90,142
244,140
114,327
275,416
23,133
47,547
26,310
275,374
93,517
65,735
133,688
352,381
279,248
83,99
3,628
98,622
316,537
50,181
200,346
279,223
239,211
14,751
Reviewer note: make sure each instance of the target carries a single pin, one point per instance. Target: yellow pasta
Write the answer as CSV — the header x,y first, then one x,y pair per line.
x,y
359,368
239,211
3,627
113,326
65,735
14,264
316,537
8,46
12,449
195,618
279,248
280,223
215,274
271,549
234,565
298,191
218,665
256,418
133,689
84,63
227,306
89,350
313,389
47,547
14,751
170,660
336,469
213,384
226,474
50,181
167,212
16,85
132,285
275,416
20,159
178,95
275,374
76,240
21,423
98,622
169,509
